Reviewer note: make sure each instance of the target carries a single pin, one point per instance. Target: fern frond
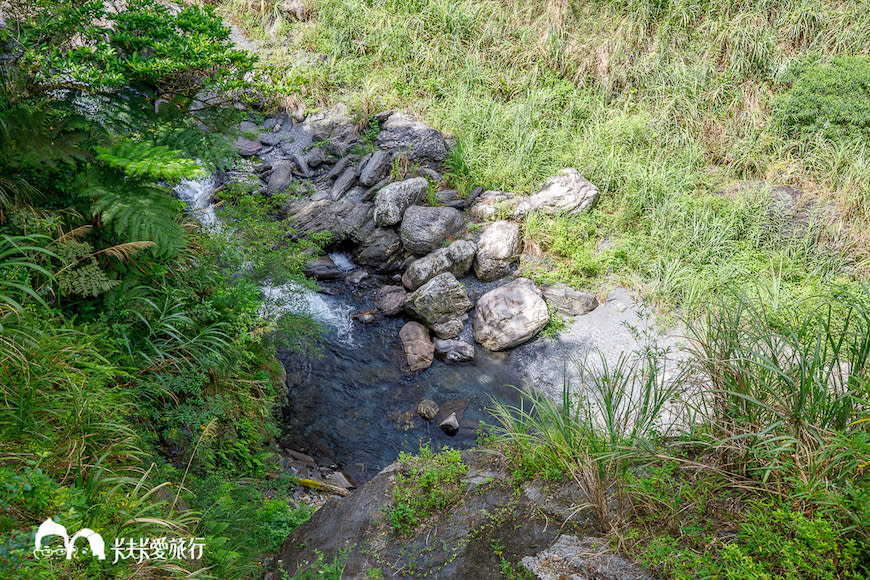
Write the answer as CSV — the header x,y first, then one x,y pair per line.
x,y
141,213
75,234
124,252
145,159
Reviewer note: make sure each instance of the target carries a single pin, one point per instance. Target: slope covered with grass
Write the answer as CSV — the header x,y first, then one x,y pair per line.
x,y
660,104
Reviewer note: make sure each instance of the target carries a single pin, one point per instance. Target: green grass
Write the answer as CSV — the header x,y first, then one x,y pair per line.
x,y
658,104
750,462
426,484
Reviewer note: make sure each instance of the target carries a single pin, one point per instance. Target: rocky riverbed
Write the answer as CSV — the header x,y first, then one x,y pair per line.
x,y
427,317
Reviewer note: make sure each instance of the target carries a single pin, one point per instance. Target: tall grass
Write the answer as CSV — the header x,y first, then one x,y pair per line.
x,y
773,407
659,104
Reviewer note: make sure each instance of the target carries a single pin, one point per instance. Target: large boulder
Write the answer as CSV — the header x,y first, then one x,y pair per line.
x,y
382,251
424,228
420,142
568,193
392,200
456,259
499,245
565,300
419,350
344,219
509,315
442,304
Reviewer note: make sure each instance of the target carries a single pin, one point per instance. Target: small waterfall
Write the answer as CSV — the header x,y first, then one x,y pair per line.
x,y
331,311
197,194
335,314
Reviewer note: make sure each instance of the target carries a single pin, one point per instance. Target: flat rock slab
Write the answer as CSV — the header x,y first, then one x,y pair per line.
x,y
583,558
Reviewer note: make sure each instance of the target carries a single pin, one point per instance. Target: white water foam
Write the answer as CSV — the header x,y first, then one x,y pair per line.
x,y
332,312
197,194
342,262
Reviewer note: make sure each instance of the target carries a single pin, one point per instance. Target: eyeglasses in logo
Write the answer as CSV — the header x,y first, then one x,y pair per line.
x,y
50,528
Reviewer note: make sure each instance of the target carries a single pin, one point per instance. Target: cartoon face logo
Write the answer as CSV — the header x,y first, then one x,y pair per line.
x,y
50,528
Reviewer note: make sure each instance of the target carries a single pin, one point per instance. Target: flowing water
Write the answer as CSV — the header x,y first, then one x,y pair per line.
x,y
354,406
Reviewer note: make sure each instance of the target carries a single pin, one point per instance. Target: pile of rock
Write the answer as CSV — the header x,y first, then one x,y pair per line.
x,y
370,195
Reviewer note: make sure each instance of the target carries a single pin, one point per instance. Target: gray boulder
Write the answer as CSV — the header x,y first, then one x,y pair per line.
x,y
565,300
454,350
424,228
401,132
392,201
442,304
456,259
375,168
491,204
382,250
509,315
568,193
323,268
499,245
282,176
418,348
390,299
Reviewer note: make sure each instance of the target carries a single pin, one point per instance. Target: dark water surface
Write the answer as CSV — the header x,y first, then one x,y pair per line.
x,y
355,405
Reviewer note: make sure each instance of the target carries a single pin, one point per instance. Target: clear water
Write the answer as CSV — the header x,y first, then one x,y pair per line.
x,y
354,406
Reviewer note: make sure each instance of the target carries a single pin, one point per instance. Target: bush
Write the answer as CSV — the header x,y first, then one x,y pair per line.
x,y
832,98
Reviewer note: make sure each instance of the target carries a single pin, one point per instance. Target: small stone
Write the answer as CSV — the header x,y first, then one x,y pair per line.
x,y
427,409
316,157
450,425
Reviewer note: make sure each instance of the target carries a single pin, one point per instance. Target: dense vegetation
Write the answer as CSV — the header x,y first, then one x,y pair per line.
x,y
137,375
136,370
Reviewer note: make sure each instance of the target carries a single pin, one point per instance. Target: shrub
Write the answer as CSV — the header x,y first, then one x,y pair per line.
x,y
830,98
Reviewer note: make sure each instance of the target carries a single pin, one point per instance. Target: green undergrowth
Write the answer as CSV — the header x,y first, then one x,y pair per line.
x,y
660,105
749,461
138,375
426,484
